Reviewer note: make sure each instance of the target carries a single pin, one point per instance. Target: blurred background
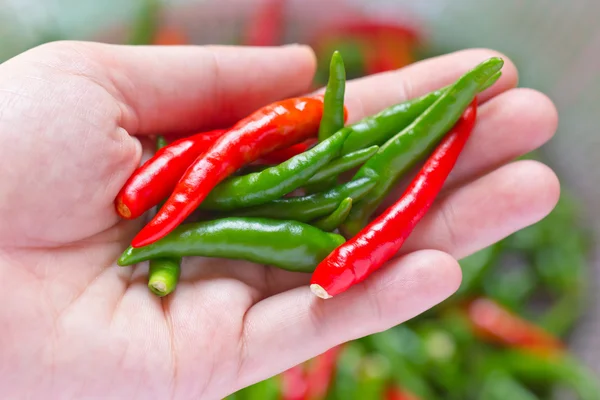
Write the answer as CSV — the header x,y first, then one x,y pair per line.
x,y
501,335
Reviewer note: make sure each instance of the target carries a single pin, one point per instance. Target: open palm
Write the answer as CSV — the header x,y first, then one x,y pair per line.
x,y
73,121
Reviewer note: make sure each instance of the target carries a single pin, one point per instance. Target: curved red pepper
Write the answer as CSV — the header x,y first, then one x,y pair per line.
x,y
379,241
294,384
493,322
156,178
320,374
275,126
266,27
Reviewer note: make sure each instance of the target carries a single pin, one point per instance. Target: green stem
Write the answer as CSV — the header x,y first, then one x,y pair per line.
x,y
336,218
333,109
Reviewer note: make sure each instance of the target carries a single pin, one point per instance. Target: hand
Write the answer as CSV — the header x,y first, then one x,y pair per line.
x,y
73,118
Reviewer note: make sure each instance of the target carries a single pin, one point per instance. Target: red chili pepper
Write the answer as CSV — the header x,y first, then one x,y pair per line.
x,y
155,180
273,127
320,374
294,384
398,393
379,241
279,156
493,322
169,36
266,26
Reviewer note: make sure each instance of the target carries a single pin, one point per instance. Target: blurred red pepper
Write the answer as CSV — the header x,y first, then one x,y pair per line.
x,y
320,374
493,322
294,385
170,36
266,26
398,393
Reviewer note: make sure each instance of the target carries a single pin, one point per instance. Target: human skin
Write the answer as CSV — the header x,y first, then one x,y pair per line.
x,y
74,120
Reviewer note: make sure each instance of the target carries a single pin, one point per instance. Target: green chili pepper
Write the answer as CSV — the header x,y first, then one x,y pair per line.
x,y
564,313
330,222
378,128
308,208
344,384
267,389
161,142
401,152
333,103
289,245
312,188
146,24
373,375
342,164
474,267
511,285
501,386
541,369
163,273
274,182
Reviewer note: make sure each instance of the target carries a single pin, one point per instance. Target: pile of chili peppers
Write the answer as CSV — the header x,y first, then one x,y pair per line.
x,y
298,214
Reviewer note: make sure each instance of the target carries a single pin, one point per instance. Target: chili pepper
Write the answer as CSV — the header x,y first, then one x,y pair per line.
x,y
511,287
279,156
170,36
373,374
404,150
272,127
146,23
343,164
308,208
474,267
396,392
275,182
344,385
267,389
493,322
163,273
379,241
333,109
294,383
266,26
543,368
379,128
407,355
155,180
320,372
335,219
288,245
499,385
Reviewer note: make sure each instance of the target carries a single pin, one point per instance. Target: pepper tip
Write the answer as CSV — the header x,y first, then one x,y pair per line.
x,y
319,291
123,210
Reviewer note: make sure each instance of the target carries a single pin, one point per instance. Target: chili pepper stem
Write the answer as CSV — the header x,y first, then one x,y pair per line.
x,y
319,291
158,287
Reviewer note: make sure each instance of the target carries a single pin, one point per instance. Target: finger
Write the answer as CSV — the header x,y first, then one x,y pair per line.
x,y
190,88
369,95
487,210
284,330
